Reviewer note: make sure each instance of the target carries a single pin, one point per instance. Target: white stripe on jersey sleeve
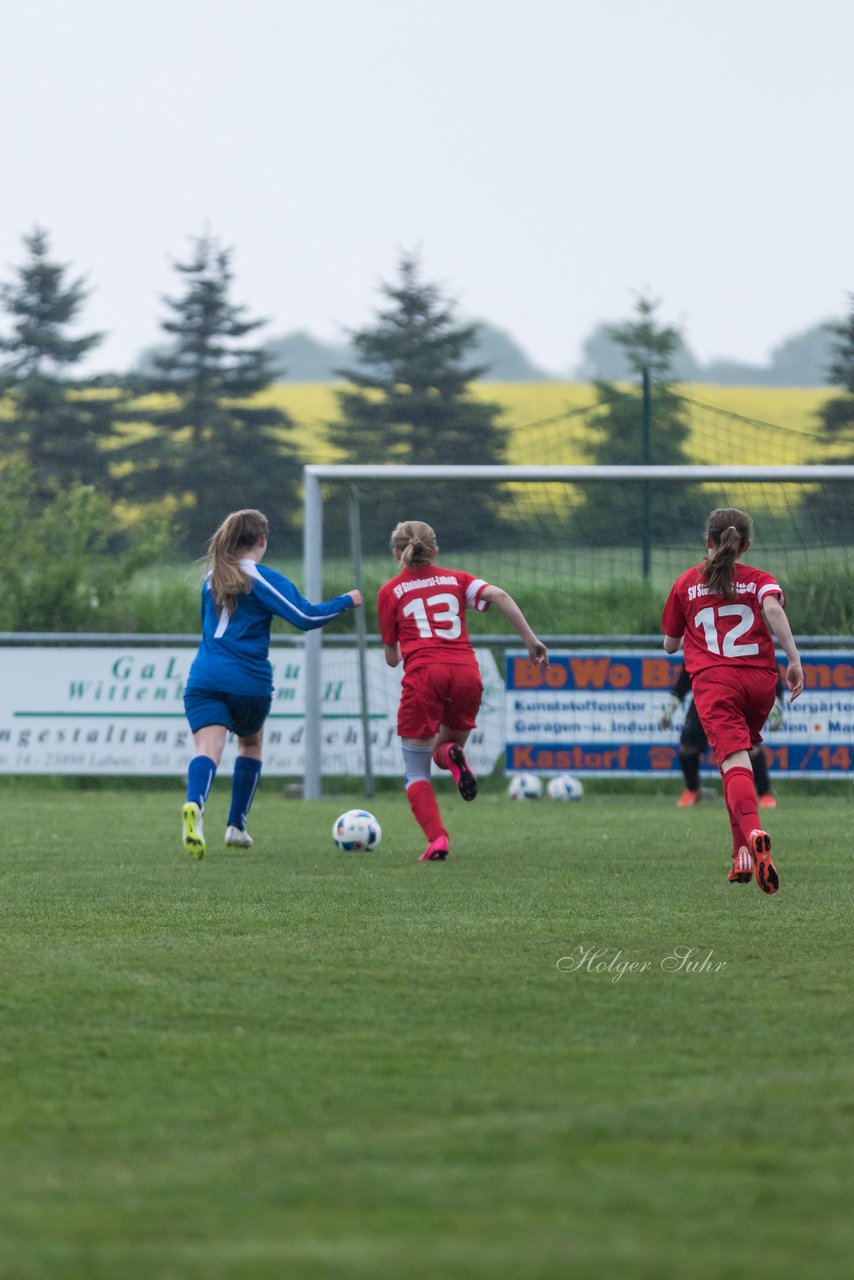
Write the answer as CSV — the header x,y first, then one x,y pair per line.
x,y
250,567
770,586
471,592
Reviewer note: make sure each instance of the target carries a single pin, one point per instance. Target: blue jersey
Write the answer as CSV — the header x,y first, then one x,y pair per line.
x,y
233,656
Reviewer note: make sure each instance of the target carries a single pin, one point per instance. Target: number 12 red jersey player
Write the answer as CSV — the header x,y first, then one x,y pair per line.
x,y
723,613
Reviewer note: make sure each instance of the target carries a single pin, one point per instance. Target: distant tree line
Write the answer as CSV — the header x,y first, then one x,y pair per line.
x,y
803,360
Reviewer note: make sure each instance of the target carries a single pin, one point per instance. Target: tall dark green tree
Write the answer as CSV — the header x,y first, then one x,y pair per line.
x,y
209,440
831,505
409,400
613,513
58,424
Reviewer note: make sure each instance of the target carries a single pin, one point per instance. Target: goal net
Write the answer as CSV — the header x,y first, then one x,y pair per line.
x,y
587,551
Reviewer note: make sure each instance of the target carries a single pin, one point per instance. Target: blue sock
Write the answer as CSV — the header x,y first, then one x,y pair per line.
x,y
200,775
243,784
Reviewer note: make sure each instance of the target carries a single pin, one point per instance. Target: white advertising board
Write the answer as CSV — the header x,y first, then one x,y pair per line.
x,y
119,710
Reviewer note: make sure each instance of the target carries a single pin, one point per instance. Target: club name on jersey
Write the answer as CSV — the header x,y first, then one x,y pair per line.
x,y
742,589
439,580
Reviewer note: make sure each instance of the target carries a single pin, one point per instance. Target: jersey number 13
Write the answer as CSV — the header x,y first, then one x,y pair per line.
x,y
443,620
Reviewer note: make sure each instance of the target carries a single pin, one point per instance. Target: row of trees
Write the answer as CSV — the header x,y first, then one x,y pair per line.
x,y
192,437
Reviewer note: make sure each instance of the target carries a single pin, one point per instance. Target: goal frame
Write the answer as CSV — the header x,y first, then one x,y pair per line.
x,y
315,473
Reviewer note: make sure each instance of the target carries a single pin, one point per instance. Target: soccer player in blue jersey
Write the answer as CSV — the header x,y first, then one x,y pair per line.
x,y
230,685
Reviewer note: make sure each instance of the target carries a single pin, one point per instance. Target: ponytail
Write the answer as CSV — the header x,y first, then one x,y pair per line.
x,y
415,541
728,534
238,533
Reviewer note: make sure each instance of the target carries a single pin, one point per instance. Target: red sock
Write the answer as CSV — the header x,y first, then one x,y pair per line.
x,y
740,796
422,802
737,841
440,756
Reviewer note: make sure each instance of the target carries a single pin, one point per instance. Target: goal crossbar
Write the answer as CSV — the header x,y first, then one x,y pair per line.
x,y
365,471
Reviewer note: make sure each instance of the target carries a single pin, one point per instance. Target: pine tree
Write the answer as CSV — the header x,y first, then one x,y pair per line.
x,y
409,402
840,371
208,441
57,424
614,513
831,506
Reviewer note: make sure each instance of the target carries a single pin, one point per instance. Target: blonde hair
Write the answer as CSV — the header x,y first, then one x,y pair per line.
x,y
730,531
416,542
239,532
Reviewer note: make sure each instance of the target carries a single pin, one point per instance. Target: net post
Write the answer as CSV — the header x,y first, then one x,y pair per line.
x,y
361,636
646,459
313,586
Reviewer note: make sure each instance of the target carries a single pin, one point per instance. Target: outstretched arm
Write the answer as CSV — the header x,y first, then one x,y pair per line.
x,y
775,616
537,651
282,598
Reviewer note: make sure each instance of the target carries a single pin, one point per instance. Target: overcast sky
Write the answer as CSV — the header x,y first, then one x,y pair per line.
x,y
548,159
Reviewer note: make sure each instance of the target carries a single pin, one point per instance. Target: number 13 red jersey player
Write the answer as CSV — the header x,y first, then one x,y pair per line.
x,y
422,617
721,612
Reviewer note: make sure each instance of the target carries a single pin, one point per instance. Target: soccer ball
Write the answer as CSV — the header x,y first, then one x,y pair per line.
x,y
565,787
525,786
356,831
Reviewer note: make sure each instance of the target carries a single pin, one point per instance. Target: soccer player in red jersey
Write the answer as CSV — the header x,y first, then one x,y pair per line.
x,y
724,613
422,617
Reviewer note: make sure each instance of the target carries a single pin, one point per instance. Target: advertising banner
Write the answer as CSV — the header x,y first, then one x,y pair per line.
x,y
598,713
94,710
118,710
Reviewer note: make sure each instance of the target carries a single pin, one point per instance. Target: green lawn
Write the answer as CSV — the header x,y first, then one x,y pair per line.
x,y
297,1063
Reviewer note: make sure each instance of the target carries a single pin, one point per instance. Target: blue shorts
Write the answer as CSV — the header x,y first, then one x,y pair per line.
x,y
239,714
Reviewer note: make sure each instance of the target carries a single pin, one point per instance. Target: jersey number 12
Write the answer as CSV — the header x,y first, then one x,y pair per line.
x,y
730,647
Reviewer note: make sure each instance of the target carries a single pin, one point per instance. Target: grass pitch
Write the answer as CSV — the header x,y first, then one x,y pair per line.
x,y
290,1062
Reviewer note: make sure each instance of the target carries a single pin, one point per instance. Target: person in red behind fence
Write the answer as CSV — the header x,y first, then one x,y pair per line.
x,y
422,619
724,613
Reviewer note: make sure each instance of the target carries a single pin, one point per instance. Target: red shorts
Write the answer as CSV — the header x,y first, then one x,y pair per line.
x,y
439,695
733,704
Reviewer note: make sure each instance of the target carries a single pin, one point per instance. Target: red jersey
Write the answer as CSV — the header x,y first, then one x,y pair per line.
x,y
718,631
424,610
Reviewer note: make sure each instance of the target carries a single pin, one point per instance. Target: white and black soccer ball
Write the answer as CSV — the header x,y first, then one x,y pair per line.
x,y
525,786
356,831
565,787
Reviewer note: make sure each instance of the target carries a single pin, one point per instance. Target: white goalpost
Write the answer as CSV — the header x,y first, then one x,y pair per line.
x,y
775,479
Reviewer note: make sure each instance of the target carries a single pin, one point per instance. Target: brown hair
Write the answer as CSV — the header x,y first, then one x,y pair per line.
x,y
238,533
730,532
416,542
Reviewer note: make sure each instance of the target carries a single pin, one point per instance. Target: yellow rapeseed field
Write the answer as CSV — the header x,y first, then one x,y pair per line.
x,y
537,411
311,405
544,421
